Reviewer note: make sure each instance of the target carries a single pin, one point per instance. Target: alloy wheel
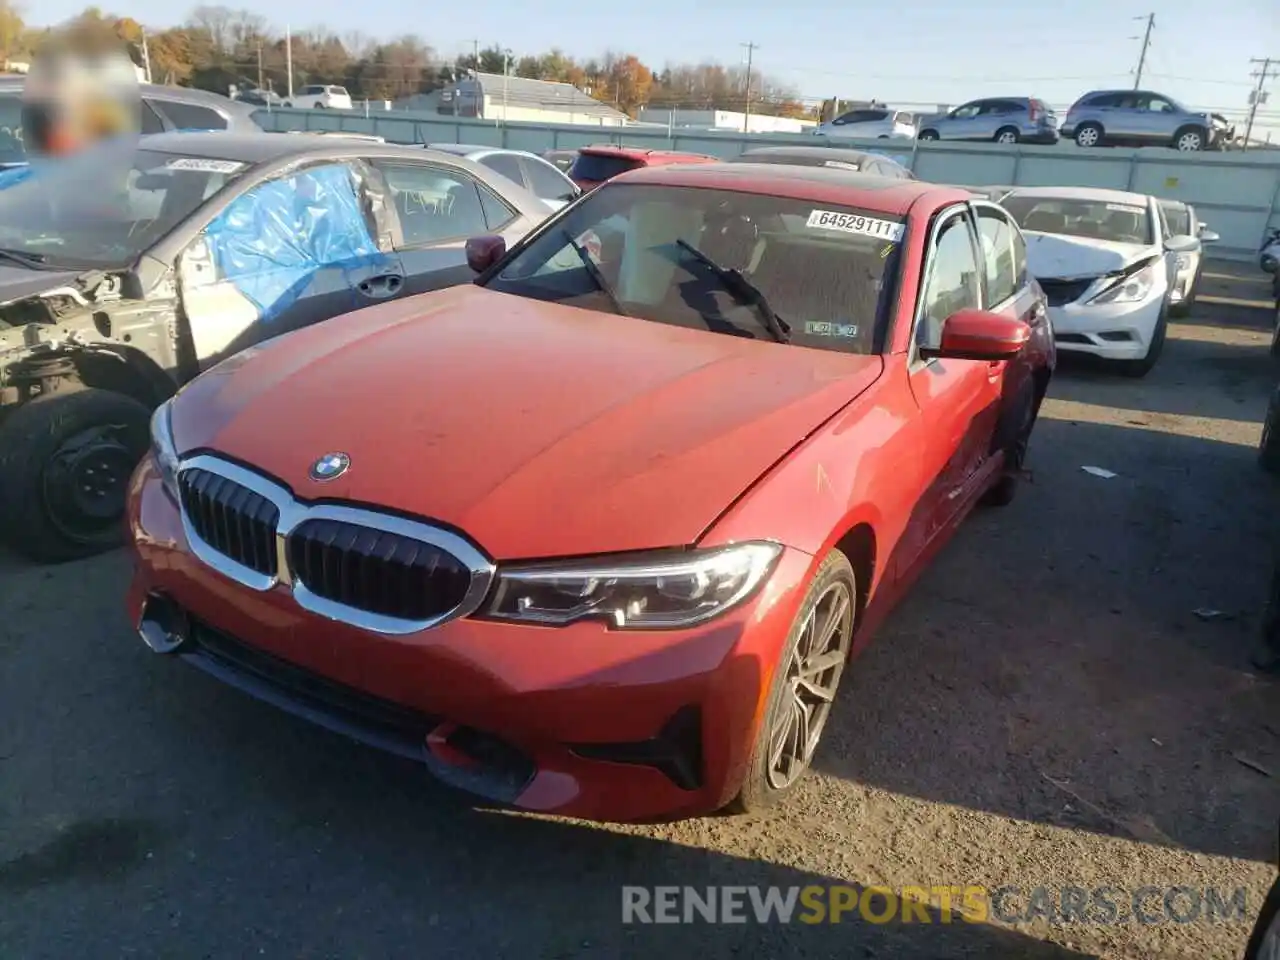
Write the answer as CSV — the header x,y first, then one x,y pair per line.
x,y
1007,136
812,676
1190,141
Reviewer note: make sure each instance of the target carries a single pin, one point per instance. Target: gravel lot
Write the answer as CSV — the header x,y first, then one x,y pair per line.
x,y
1046,708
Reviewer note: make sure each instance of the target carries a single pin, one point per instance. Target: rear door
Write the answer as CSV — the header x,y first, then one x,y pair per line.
x,y
962,122
437,209
291,251
1007,288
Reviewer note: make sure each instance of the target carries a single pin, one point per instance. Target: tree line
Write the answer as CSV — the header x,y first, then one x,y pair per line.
x,y
219,47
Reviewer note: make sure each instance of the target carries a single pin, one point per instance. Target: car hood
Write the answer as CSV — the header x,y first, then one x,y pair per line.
x,y
1057,256
18,282
540,430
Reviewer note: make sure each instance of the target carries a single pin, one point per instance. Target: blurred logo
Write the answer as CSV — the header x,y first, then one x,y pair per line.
x,y
330,467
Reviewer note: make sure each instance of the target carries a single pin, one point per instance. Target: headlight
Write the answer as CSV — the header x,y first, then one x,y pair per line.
x,y
1132,289
647,593
163,452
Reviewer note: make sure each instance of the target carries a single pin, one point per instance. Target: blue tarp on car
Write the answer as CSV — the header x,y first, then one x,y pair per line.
x,y
271,241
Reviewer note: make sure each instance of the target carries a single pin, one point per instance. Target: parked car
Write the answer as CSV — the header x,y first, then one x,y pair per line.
x,y
163,109
109,302
536,175
321,96
869,123
1106,267
259,98
1001,119
596,164
994,194
562,160
860,161
1179,219
1140,118
610,456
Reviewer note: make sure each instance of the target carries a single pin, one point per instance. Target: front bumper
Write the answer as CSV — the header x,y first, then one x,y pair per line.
x,y
1111,331
578,721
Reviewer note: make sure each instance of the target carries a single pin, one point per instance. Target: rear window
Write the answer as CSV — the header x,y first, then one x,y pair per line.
x,y
312,91
600,167
339,91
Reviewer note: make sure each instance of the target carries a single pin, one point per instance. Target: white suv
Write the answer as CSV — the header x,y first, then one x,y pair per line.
x,y
321,96
870,123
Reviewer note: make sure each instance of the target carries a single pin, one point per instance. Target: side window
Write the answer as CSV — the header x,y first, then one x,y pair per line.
x,y
496,212
506,165
188,116
150,121
952,283
1020,273
545,182
1159,105
996,234
1103,100
434,205
968,110
11,148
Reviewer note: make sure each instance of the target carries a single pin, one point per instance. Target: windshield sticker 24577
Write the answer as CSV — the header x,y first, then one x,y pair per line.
x,y
856,223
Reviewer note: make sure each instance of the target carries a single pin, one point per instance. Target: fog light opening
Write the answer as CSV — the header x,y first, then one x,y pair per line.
x,y
164,626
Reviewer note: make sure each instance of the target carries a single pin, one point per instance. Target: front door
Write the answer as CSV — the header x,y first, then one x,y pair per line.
x,y
958,400
292,251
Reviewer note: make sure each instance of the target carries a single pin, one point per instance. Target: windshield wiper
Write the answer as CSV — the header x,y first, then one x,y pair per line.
x,y
24,258
744,291
594,273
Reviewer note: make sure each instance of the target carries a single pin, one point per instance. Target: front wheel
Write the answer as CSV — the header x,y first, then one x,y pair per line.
x,y
928,135
1007,135
1144,365
804,687
1264,942
1089,135
65,464
1188,140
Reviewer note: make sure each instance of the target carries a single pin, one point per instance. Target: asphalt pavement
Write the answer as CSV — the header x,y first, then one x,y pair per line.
x,y
1064,698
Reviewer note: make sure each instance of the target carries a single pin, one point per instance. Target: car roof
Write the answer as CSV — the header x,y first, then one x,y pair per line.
x,y
1084,193
635,153
259,148
474,149
816,184
826,153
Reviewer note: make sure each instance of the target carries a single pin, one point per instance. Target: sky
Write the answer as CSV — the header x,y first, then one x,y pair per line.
x,y
912,55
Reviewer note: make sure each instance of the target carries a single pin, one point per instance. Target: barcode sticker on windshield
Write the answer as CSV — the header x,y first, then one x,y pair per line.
x,y
204,165
856,223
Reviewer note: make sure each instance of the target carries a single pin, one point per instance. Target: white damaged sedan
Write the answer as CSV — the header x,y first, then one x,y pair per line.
x,y
1105,266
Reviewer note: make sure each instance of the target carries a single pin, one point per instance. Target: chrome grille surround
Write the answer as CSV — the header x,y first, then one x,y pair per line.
x,y
293,513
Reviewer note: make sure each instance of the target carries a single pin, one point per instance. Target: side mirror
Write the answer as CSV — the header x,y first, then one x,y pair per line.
x,y
1207,235
1182,243
979,335
484,252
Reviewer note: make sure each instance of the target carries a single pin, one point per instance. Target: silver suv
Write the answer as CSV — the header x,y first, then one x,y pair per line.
x,y
1140,118
1002,119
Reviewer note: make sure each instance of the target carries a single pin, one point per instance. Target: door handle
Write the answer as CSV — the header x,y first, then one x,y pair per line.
x,y
386,285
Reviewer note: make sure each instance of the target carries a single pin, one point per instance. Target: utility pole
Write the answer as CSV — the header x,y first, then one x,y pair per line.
x,y
288,60
259,63
1258,96
146,58
746,113
1146,42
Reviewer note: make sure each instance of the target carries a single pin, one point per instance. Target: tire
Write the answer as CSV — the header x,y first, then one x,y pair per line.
x,y
1275,335
1269,445
761,787
1089,135
287,105
883,136
928,135
1189,138
1141,367
65,465
1268,919
1012,438
1007,135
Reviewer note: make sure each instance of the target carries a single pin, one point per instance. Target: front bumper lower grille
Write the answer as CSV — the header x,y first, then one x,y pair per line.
x,y
1061,292
369,568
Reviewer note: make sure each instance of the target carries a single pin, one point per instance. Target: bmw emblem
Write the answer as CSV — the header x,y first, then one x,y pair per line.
x,y
330,467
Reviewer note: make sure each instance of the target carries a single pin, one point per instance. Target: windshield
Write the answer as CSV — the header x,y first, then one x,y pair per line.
x,y
1075,217
680,256
600,167
72,213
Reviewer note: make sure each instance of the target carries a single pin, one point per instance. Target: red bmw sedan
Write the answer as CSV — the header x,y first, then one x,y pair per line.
x,y
598,534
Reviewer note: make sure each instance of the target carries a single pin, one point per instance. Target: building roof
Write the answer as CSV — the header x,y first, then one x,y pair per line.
x,y
544,95
815,184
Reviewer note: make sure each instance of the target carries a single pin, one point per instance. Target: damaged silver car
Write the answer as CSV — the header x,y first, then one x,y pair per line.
x,y
128,270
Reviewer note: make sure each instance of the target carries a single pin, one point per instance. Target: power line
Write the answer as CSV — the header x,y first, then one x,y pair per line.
x,y
1259,95
1146,43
